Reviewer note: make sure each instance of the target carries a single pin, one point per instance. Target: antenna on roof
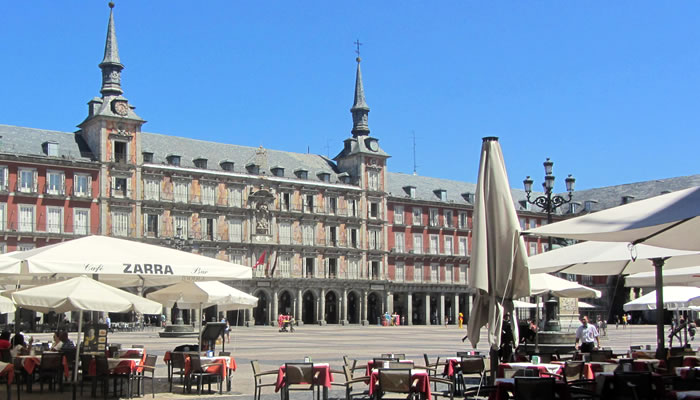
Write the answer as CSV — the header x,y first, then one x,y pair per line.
x,y
308,149
415,166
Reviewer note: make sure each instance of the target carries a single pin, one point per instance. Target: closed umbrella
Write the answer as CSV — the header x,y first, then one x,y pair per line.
x,y
82,294
676,277
498,270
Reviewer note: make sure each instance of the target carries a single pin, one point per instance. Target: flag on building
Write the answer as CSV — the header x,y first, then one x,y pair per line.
x,y
260,261
274,265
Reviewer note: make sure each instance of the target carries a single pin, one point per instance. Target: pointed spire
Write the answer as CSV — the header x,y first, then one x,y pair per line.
x,y
360,109
110,65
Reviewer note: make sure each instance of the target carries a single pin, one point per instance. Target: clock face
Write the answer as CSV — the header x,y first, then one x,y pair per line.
x,y
372,145
121,108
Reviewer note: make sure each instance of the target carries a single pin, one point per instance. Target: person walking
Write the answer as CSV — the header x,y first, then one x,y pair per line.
x,y
587,335
617,321
624,321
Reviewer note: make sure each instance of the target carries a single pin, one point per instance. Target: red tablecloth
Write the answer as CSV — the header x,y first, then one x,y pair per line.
x,y
422,376
324,376
590,369
131,353
451,365
551,368
371,366
31,362
223,364
7,370
507,385
117,366
691,361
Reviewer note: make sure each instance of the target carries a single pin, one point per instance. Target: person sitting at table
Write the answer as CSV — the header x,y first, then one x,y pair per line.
x,y
5,340
64,343
587,334
19,347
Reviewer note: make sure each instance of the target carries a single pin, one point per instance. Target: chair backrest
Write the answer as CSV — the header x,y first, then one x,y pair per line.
x,y
255,364
472,365
544,357
177,359
347,372
51,361
195,363
632,385
85,361
534,388
633,348
379,361
601,355
224,354
400,365
5,355
573,370
463,354
137,346
400,356
394,381
296,373
150,360
101,366
387,355
346,359
676,351
674,362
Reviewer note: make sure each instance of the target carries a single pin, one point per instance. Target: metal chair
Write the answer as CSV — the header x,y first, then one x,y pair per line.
x,y
472,371
258,376
632,386
299,376
51,369
198,372
396,384
352,383
149,366
177,361
534,388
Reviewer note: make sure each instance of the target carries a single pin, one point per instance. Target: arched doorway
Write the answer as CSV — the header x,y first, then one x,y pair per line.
x,y
435,318
353,308
331,311
400,306
449,309
374,308
260,314
418,311
285,303
308,306
464,306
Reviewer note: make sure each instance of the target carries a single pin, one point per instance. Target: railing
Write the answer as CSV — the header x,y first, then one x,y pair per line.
x,y
62,228
122,193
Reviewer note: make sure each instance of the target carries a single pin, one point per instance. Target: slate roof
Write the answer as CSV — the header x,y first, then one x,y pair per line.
x,y
29,141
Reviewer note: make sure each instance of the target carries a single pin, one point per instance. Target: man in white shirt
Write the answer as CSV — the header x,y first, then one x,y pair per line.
x,y
587,334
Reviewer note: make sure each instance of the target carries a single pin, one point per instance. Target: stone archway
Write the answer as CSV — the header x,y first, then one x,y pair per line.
x,y
285,303
353,305
331,312
308,306
418,310
260,312
401,306
374,308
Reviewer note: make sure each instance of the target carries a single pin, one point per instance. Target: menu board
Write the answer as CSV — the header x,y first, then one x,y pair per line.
x,y
95,337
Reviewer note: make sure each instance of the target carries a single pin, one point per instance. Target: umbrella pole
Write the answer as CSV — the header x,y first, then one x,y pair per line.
x,y
537,323
200,328
77,353
659,280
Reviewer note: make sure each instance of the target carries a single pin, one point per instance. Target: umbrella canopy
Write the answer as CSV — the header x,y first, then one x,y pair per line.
x,y
523,304
669,220
204,294
676,298
82,294
609,258
6,305
583,304
677,277
123,263
498,271
548,284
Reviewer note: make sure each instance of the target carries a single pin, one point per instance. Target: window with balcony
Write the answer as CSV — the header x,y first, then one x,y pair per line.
x,y
417,243
235,196
463,246
55,182
523,223
398,215
375,242
120,223
308,235
235,230
26,218
181,191
25,246
373,181
331,205
309,267
434,272
418,273
417,216
308,203
375,268
449,273
353,208
434,217
449,245
285,266
533,248
399,274
354,268
463,274
236,258
332,268
120,152
82,184
54,219
332,236
463,221
285,233
285,201
3,216
4,178
181,226
151,189
81,221
447,216
399,242
434,244
374,210
120,187
533,223
208,228
27,180
354,242
151,225
208,192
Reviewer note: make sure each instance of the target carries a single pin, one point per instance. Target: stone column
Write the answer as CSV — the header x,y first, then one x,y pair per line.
x,y
300,308
344,307
443,313
389,302
455,311
427,309
168,319
409,308
364,308
322,307
275,308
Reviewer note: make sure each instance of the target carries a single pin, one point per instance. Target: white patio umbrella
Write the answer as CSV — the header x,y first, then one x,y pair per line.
x,y
523,304
202,295
6,305
669,220
123,263
612,258
677,277
498,271
541,284
676,298
82,294
583,304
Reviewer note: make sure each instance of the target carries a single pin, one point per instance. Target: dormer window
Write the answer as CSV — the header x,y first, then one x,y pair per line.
x,y
345,178
200,163
468,197
410,191
588,205
51,149
173,160
277,171
524,205
147,157
324,176
627,199
252,168
226,165
573,207
301,173
441,194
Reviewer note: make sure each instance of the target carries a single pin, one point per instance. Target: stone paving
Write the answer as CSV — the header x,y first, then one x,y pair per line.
x,y
324,344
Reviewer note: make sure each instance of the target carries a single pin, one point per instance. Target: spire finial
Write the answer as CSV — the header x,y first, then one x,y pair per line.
x,y
360,109
111,4
110,65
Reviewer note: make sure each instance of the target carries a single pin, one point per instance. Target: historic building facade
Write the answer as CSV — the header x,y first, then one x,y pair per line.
x,y
330,241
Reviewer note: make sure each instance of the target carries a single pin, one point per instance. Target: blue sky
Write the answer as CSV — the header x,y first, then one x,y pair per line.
x,y
608,90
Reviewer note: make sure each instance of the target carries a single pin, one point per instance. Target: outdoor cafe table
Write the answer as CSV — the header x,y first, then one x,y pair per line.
x,y
371,366
420,374
505,386
117,366
324,377
451,366
217,365
642,364
130,352
29,363
590,368
542,367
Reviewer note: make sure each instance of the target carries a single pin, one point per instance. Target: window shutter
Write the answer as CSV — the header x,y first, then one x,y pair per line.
x,y
128,187
63,183
5,180
213,229
89,185
36,181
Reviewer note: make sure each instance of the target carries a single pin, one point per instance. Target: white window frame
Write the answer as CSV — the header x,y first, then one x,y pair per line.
x,y
463,246
77,190
151,189
25,246
204,227
54,226
533,223
418,273
434,219
374,210
235,196
27,180
4,178
3,216
532,248
308,233
449,245
463,220
182,222
417,216
353,268
449,273
373,180
463,276
235,230
285,230
375,239
434,244
400,272
27,218
55,182
181,191
120,223
398,215
285,266
448,216
400,242
158,232
353,208
78,227
418,243
434,275
208,194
